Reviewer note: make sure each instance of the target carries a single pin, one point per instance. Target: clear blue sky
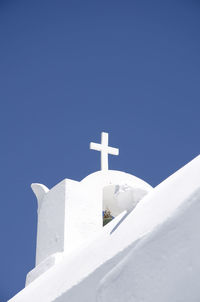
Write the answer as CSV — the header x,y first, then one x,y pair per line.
x,y
70,69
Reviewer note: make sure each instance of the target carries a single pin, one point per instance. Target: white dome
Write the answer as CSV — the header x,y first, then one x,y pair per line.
x,y
105,182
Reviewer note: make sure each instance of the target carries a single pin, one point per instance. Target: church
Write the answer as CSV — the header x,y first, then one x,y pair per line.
x,y
113,237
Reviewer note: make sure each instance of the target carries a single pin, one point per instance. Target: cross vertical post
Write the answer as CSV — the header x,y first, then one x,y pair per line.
x,y
105,150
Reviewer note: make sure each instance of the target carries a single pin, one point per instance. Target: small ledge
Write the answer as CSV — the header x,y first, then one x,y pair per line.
x,y
43,267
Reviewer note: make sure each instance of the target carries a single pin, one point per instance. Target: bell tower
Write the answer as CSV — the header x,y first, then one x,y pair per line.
x,y
70,213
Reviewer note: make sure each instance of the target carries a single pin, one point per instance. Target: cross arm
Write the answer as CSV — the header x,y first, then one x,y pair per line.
x,y
95,146
113,151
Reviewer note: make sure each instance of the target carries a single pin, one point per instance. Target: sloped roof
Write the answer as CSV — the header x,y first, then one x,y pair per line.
x,y
85,274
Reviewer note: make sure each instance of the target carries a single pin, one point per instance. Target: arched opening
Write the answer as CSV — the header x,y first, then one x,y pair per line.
x,y
101,188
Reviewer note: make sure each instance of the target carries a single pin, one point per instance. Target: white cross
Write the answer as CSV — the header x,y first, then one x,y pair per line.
x,y
104,149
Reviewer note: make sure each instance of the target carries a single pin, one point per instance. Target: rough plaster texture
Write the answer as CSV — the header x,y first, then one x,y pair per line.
x,y
71,213
164,266
149,254
68,215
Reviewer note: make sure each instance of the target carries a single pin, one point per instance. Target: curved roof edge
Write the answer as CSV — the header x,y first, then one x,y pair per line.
x,y
115,177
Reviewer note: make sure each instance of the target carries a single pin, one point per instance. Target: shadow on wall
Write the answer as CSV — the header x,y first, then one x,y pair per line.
x,y
110,209
120,198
